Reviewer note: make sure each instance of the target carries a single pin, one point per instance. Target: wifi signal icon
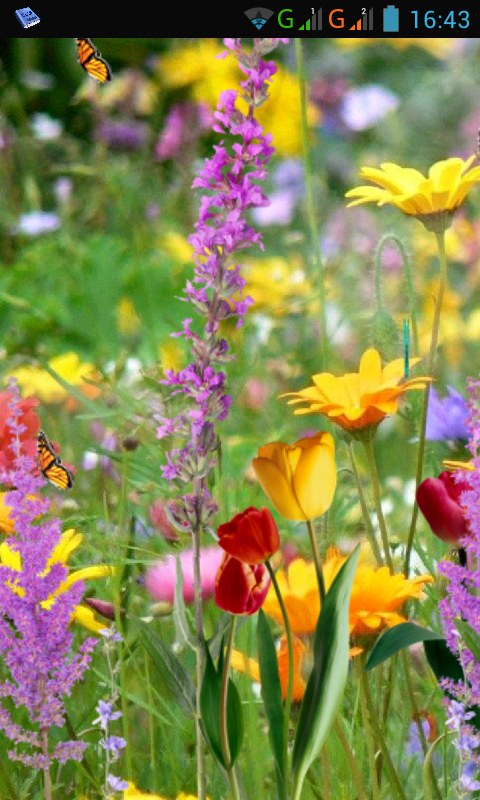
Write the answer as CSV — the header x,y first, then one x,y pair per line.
x,y
259,16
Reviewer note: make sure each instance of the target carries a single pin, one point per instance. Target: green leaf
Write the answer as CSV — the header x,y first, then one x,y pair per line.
x,y
329,674
397,638
271,694
210,709
442,661
182,628
469,636
176,678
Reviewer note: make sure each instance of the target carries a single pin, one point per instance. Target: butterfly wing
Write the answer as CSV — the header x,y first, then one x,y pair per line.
x,y
91,61
51,465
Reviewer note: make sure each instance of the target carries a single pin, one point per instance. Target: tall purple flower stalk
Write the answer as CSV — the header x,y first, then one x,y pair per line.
x,y
231,181
35,635
462,602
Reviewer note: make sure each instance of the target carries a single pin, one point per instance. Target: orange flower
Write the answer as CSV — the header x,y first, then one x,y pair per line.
x,y
358,400
249,666
375,600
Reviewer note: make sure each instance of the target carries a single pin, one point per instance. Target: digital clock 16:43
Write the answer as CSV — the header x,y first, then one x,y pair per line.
x,y
452,19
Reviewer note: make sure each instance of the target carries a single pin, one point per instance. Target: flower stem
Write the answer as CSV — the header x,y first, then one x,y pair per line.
x,y
440,237
232,776
372,465
317,561
47,781
312,220
395,785
352,761
366,515
200,665
288,697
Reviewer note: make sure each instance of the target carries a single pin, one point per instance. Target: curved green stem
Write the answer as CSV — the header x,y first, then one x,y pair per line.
x,y
430,370
312,220
372,465
317,561
372,539
407,268
288,696
352,761
395,785
231,773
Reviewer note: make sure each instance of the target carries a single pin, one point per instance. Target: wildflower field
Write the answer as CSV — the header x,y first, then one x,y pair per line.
x,y
240,419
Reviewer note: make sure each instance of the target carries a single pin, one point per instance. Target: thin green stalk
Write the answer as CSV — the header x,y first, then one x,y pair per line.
x,y
372,539
288,697
47,781
440,237
120,620
350,756
417,720
407,268
200,665
151,729
312,219
326,782
368,734
317,561
394,781
372,465
231,773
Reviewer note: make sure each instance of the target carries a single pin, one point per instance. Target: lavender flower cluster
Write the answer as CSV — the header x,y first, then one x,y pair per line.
x,y
230,179
462,601
36,608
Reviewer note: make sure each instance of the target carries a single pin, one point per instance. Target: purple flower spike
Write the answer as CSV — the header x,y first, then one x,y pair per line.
x,y
231,181
40,667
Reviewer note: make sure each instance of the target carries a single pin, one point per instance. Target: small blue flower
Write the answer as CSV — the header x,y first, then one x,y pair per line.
x,y
116,784
446,419
114,744
105,714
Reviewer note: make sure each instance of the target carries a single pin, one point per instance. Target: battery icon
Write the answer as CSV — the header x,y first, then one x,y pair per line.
x,y
390,19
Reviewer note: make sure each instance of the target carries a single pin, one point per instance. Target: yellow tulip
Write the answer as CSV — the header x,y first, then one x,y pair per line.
x,y
299,479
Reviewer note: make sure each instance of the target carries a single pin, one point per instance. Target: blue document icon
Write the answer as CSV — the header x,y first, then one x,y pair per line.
x,y
390,19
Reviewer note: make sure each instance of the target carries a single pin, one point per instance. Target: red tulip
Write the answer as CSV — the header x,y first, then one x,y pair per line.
x,y
241,588
439,502
252,536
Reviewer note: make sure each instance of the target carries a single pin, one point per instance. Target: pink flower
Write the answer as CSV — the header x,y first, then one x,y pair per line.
x,y
161,577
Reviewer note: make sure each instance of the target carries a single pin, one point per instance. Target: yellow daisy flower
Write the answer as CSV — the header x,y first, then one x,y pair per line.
x,y
431,199
69,542
358,400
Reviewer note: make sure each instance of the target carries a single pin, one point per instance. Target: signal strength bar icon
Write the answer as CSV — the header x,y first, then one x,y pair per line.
x,y
259,16
365,23
314,23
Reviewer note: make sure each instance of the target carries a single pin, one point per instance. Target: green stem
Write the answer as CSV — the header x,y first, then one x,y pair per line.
x,y
288,697
366,514
312,220
440,237
200,665
395,784
47,781
417,720
352,761
372,465
367,730
317,561
407,268
231,773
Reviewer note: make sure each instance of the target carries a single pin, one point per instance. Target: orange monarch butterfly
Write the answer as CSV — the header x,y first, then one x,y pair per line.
x,y
51,465
91,61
